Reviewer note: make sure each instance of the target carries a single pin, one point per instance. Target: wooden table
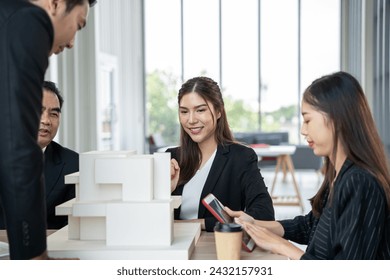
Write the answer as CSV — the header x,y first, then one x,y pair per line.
x,y
204,249
284,163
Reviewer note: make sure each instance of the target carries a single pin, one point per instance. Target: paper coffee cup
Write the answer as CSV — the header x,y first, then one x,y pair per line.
x,y
228,238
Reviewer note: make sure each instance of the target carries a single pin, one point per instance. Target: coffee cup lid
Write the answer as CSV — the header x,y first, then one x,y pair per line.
x,y
227,227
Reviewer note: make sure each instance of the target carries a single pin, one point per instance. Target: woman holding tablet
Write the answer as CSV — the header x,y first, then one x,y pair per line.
x,y
350,212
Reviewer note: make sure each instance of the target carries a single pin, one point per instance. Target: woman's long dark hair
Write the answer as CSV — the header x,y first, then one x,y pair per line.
x,y
189,152
342,99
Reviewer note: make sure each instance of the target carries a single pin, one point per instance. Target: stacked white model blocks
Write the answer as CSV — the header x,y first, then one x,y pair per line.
x,y
122,198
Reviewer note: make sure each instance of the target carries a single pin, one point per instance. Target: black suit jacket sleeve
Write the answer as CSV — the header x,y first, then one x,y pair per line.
x,y
26,36
236,181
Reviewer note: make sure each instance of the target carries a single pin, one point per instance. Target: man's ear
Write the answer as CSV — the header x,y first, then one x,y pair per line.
x,y
53,6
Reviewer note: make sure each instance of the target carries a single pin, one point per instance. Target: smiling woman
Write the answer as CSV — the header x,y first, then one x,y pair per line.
x,y
208,159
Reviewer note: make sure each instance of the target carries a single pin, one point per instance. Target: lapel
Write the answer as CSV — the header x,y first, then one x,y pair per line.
x,y
53,168
215,172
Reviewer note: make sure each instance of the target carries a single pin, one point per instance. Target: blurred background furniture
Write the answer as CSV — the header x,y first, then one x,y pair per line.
x,y
284,163
258,137
266,138
305,159
155,142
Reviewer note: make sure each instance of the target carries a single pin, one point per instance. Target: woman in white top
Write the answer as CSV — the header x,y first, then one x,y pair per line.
x,y
208,159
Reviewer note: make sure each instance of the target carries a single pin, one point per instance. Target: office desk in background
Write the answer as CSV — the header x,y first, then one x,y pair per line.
x,y
204,249
283,163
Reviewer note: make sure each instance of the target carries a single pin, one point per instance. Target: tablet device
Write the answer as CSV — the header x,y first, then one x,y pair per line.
x,y
216,208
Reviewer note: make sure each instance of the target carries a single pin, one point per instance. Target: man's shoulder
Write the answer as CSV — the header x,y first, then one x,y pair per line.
x,y
63,150
28,30
17,15
10,8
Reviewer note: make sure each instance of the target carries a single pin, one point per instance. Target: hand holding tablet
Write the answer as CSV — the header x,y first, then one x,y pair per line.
x,y
216,208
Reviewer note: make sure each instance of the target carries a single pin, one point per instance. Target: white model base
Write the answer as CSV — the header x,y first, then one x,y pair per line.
x,y
185,237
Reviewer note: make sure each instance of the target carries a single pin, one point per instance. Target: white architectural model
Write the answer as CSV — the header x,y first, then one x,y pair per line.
x,y
123,210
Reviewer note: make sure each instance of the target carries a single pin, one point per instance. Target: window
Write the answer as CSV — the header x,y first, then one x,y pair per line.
x,y
263,54
382,70
107,104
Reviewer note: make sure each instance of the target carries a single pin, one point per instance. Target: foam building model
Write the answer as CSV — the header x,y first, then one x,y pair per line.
x,y
123,210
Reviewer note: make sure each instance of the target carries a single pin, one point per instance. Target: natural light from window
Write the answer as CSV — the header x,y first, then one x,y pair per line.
x,y
261,83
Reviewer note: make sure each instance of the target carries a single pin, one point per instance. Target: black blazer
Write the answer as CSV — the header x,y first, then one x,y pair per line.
x,y
236,181
59,161
26,37
354,223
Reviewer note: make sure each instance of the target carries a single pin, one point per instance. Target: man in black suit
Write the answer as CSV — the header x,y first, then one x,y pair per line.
x,y
30,31
58,161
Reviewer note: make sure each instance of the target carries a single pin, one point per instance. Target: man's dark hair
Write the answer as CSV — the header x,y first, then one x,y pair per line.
x,y
50,86
70,4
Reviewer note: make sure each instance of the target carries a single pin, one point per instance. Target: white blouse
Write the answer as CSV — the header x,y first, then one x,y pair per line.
x,y
193,190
